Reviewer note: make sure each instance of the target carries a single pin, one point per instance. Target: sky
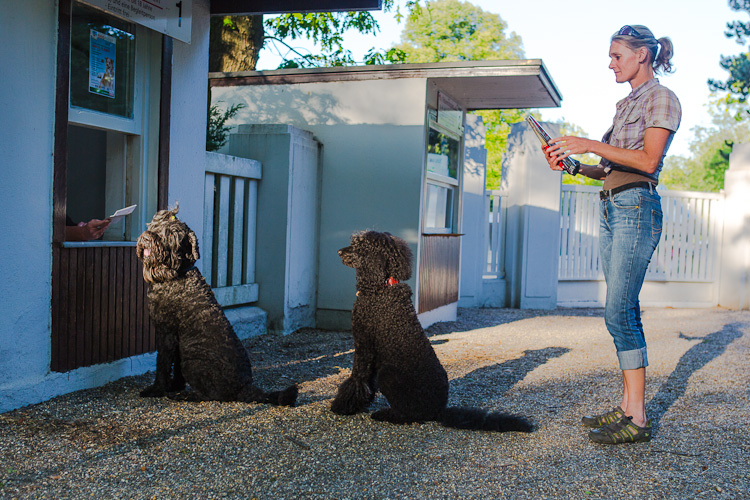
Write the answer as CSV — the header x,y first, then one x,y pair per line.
x,y
572,40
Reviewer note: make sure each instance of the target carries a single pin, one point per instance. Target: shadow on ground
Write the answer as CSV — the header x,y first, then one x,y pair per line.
x,y
706,350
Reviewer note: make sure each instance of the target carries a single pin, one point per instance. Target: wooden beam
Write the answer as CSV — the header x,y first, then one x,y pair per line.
x,y
249,7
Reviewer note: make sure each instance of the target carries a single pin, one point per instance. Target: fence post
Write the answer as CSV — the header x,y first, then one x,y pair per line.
x,y
533,219
473,214
734,275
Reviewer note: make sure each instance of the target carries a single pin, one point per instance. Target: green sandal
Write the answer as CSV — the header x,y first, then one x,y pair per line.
x,y
621,431
604,419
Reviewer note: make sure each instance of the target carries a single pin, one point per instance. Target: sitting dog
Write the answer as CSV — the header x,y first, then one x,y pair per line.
x,y
193,336
391,351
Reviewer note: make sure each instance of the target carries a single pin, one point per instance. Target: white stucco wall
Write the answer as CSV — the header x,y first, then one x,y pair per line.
x,y
187,149
27,58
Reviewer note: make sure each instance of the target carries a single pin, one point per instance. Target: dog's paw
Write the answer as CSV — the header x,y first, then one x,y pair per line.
x,y
289,396
187,395
177,385
153,391
352,397
392,416
342,407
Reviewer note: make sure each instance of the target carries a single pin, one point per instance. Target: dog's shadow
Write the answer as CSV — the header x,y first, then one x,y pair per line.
x,y
497,379
303,358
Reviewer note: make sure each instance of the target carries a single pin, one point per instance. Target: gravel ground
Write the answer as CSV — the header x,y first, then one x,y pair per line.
x,y
552,366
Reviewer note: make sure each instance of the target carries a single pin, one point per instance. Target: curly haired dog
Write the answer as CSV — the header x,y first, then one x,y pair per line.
x,y
391,351
193,336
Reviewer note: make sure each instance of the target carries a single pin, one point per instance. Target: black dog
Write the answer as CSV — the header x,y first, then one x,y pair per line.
x,y
391,351
193,336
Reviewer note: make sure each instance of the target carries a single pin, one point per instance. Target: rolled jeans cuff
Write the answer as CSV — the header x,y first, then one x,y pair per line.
x,y
632,360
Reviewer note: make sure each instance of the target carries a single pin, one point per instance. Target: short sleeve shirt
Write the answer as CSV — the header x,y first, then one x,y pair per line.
x,y
648,105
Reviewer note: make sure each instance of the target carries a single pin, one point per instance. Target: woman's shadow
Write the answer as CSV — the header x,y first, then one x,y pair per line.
x,y
706,350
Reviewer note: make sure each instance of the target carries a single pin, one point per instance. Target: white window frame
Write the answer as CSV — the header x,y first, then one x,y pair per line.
x,y
135,155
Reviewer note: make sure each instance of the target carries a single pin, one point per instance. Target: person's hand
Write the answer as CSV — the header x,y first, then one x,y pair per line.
x,y
562,147
552,159
93,229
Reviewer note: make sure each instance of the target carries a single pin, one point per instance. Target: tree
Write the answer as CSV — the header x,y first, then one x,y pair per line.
x,y
709,148
217,133
236,41
737,85
450,30
586,159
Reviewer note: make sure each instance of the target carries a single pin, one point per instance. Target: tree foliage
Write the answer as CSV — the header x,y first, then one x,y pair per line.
x,y
218,131
450,30
709,148
737,86
236,41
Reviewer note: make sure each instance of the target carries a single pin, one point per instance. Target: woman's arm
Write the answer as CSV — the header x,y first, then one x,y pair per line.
x,y
646,159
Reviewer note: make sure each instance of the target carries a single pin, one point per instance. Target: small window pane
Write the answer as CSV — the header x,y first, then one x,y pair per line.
x,y
439,207
442,154
102,62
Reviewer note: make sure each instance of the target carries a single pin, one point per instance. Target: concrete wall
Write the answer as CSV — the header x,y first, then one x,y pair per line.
x,y
373,136
473,216
533,221
27,103
287,223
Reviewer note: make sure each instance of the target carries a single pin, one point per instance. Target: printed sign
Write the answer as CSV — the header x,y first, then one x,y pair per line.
x,y
102,60
171,17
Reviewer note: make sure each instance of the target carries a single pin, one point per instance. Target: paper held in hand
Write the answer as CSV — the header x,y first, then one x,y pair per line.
x,y
570,165
121,213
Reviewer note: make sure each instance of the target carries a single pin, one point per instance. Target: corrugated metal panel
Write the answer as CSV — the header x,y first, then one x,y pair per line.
x,y
99,307
438,271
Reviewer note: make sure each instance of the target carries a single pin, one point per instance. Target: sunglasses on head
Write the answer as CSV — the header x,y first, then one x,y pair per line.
x,y
628,31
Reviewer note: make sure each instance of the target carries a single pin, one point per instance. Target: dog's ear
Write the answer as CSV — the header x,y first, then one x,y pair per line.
x,y
399,258
194,252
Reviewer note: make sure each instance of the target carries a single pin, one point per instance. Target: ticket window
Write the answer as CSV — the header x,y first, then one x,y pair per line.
x,y
442,180
113,121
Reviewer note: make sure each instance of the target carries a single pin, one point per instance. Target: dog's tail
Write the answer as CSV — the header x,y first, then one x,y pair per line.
x,y
287,397
482,420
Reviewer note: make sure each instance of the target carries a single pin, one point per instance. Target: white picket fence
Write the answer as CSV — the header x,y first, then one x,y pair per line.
x,y
229,227
495,237
687,252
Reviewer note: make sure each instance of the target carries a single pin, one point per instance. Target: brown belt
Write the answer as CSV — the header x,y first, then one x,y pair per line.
x,y
603,195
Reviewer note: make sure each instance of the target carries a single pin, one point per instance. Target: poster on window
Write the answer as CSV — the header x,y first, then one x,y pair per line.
x,y
102,64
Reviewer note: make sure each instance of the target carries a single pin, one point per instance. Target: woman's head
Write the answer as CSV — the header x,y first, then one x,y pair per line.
x,y
659,52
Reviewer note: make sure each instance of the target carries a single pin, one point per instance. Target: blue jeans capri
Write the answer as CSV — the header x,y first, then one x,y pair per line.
x,y
630,229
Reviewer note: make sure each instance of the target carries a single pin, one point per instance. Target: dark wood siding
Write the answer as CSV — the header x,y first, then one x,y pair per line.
x,y
438,270
99,308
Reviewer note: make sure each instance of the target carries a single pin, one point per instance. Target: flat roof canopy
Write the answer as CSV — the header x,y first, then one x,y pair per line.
x,y
508,84
250,7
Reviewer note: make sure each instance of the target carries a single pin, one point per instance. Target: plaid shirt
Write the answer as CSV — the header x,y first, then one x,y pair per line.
x,y
648,105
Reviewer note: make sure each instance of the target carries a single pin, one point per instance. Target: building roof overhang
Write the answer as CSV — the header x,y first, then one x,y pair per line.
x,y
251,7
507,84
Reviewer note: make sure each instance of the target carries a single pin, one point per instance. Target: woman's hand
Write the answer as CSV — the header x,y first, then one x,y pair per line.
x,y
562,147
568,145
552,159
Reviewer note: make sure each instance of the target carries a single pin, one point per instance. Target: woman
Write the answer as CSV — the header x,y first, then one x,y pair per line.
x,y
632,153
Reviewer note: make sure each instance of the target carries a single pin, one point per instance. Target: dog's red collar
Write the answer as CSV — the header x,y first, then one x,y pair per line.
x,y
389,282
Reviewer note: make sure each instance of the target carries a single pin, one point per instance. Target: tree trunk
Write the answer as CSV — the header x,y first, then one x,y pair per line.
x,y
235,42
